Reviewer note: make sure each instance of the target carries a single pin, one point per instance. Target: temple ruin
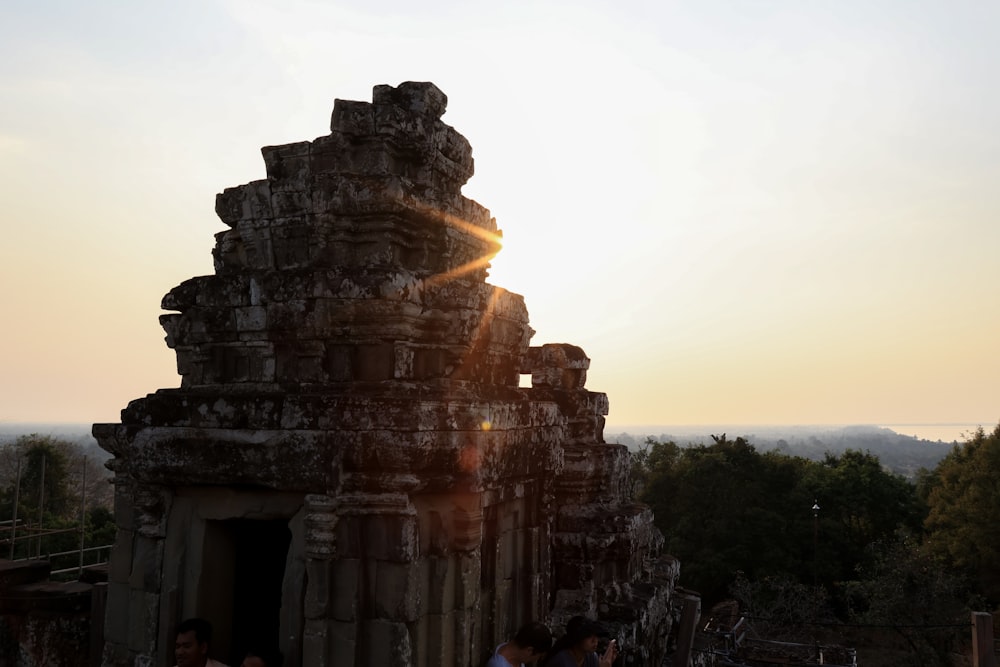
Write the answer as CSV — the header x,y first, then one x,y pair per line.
x,y
349,468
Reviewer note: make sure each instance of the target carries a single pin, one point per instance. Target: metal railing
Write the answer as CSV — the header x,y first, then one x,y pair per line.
x,y
18,530
80,552
734,643
33,533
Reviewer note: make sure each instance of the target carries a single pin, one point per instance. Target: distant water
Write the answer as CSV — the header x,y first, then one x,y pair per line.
x,y
935,432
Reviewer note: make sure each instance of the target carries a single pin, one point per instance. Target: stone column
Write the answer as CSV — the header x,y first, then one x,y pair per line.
x,y
134,631
448,632
324,640
384,538
362,587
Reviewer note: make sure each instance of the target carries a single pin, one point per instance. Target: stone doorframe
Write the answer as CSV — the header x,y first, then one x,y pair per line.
x,y
188,569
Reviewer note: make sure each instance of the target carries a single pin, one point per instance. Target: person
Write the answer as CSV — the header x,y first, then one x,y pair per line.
x,y
262,657
193,637
529,644
578,647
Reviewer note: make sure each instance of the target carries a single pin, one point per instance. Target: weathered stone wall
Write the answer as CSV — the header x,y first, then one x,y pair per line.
x,y
349,383
43,622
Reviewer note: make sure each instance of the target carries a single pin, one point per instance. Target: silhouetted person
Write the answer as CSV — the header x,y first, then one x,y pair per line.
x,y
578,647
191,644
528,645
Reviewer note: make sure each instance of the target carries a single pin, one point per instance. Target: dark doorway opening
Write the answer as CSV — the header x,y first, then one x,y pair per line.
x,y
261,551
246,595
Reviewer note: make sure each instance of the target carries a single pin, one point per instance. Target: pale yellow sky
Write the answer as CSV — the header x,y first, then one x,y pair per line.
x,y
745,212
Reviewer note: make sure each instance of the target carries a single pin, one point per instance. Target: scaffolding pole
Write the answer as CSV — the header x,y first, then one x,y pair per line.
x,y
41,509
17,493
83,512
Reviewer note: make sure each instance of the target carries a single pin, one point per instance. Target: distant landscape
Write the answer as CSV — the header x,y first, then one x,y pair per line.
x,y
76,433
898,452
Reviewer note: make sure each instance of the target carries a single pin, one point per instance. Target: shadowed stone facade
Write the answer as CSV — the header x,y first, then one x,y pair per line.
x,y
349,468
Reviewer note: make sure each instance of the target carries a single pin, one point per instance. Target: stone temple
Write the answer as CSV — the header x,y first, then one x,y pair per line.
x,y
349,468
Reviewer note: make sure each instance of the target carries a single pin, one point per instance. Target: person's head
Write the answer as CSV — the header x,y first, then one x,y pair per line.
x,y
583,634
532,641
191,643
578,632
262,657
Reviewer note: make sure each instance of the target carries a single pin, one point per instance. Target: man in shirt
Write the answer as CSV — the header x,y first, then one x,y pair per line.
x,y
191,644
526,648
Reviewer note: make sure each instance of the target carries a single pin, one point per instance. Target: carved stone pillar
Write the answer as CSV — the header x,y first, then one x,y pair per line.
x,y
134,635
325,641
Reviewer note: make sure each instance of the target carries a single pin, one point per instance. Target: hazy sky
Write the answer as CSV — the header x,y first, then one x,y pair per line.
x,y
745,212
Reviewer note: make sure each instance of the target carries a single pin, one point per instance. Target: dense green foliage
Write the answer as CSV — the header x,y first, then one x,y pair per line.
x,y
43,460
882,562
902,454
47,476
924,606
963,498
726,509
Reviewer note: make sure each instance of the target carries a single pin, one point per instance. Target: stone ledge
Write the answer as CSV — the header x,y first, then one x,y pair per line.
x,y
48,596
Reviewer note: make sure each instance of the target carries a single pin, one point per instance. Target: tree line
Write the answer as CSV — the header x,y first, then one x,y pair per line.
x,y
55,485
836,543
903,454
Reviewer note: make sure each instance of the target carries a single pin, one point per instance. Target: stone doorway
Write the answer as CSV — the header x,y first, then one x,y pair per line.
x,y
245,602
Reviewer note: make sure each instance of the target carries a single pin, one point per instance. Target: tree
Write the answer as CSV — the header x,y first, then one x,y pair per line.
x,y
726,508
44,476
782,608
903,590
651,473
963,500
65,468
860,504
